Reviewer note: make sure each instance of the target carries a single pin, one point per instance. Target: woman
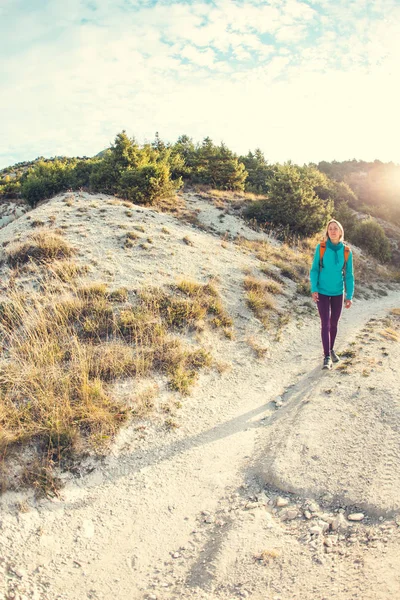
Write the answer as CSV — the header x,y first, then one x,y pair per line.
x,y
331,275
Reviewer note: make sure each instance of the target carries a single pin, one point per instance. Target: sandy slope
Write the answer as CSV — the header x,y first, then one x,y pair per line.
x,y
183,514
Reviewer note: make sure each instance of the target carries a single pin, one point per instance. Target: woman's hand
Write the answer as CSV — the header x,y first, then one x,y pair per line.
x,y
348,303
314,296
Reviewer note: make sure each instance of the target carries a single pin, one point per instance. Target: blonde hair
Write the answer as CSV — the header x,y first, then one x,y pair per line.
x,y
326,237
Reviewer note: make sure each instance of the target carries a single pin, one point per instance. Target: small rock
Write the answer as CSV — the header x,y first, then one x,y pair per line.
x,y
21,573
316,530
209,519
263,498
313,507
339,523
289,515
252,505
176,555
328,542
324,526
356,517
281,502
327,517
307,514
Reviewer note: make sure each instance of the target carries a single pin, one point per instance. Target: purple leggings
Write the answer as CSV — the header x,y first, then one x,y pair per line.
x,y
330,309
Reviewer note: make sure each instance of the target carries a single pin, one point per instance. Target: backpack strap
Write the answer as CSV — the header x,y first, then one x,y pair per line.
x,y
346,258
322,248
346,253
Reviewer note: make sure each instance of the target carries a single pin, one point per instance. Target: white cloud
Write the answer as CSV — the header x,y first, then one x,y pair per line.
x,y
204,58
291,33
71,93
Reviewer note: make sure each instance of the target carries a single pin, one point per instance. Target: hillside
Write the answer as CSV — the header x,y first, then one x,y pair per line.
x,y
248,485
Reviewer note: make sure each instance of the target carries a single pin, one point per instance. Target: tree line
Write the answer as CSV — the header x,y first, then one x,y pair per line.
x,y
297,200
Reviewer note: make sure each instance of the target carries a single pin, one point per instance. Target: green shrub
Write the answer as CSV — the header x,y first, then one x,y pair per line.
x,y
292,203
210,164
46,179
147,184
371,236
259,172
80,174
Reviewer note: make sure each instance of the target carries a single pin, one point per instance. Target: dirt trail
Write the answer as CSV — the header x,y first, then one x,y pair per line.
x,y
191,513
126,530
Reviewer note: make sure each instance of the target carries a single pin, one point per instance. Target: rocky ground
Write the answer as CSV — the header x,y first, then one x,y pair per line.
x,y
278,481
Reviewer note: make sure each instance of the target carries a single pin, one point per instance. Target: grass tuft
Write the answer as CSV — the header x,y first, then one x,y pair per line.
x,y
67,270
186,239
258,298
40,246
390,334
265,557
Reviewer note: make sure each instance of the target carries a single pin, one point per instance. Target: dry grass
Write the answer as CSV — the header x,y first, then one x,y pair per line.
x,y
207,297
189,305
92,290
184,367
370,270
175,205
259,350
37,223
119,295
226,199
187,240
390,334
258,298
67,270
62,351
49,393
40,246
272,274
293,262
131,237
283,320
143,401
266,556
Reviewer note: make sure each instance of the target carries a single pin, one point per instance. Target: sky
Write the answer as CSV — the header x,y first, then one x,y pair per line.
x,y
304,80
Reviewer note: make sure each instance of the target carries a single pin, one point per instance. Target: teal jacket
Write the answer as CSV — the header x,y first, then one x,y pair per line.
x,y
329,280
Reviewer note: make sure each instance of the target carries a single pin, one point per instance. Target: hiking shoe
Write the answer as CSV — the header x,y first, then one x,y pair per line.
x,y
334,357
327,363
